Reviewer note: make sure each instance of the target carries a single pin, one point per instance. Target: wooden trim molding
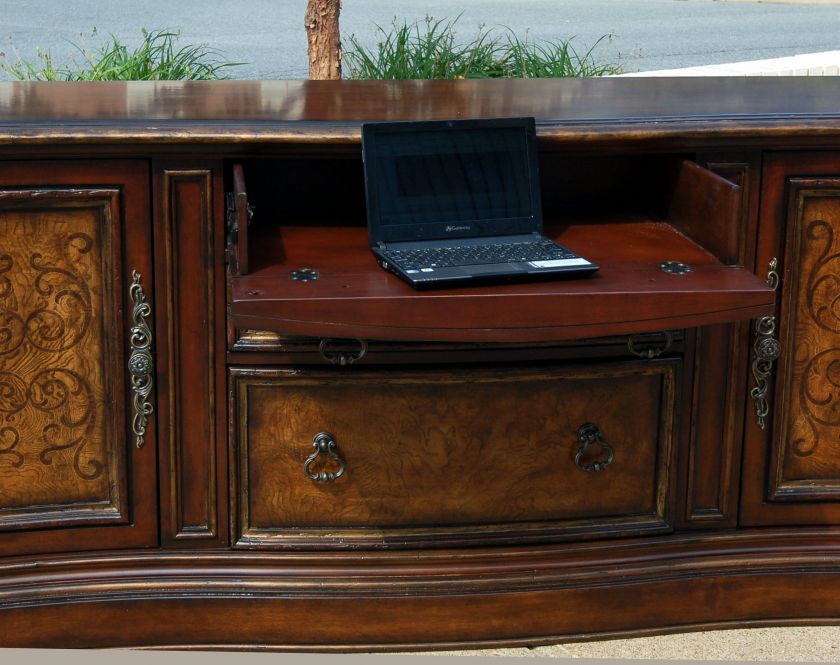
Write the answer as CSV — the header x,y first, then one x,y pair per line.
x,y
716,431
343,601
188,288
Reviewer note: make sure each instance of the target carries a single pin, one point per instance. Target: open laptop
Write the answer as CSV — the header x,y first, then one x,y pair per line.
x,y
458,201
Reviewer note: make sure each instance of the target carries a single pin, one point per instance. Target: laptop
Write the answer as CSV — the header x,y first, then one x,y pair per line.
x,y
456,202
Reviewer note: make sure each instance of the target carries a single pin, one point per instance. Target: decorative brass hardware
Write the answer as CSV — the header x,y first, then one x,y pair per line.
x,y
324,442
675,268
766,349
140,362
341,357
650,346
590,435
772,275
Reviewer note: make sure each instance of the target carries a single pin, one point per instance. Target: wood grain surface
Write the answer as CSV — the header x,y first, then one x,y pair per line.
x,y
354,297
343,601
452,448
70,474
56,309
790,473
571,111
808,462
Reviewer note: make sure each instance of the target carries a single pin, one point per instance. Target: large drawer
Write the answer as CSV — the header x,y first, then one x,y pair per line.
x,y
445,457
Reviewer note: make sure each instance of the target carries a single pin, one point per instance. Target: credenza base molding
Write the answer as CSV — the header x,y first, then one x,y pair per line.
x,y
467,599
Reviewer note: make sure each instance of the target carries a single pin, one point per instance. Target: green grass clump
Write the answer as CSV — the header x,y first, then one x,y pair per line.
x,y
430,50
158,58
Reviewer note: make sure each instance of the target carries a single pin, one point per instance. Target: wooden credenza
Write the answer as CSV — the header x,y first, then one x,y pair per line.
x,y
223,423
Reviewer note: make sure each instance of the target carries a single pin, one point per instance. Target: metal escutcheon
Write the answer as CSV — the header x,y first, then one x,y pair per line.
x,y
140,361
590,436
324,442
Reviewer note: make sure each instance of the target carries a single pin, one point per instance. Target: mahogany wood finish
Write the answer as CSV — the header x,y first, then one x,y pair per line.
x,y
721,360
424,463
190,312
354,297
579,114
71,476
460,518
241,219
798,452
421,599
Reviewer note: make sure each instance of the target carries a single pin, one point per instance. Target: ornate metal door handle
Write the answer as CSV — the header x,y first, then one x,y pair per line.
x,y
324,442
766,350
590,436
140,362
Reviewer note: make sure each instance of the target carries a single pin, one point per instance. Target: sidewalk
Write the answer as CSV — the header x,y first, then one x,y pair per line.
x,y
799,644
826,63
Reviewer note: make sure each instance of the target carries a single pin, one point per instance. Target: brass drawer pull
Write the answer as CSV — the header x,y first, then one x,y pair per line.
x,y
650,346
324,442
590,435
341,356
140,362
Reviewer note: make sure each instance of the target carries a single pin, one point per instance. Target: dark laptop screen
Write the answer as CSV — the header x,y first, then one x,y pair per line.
x,y
451,179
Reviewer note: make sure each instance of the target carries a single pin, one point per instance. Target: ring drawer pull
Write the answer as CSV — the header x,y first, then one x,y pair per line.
x,y
650,346
341,357
324,442
590,435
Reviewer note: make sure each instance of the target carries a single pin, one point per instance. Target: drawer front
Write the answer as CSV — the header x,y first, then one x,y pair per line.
x,y
432,457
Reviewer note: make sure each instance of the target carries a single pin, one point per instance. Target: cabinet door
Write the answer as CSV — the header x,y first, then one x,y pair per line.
x,y
77,440
792,463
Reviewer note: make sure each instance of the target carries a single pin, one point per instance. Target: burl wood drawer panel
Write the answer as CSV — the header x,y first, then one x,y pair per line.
x,y
451,457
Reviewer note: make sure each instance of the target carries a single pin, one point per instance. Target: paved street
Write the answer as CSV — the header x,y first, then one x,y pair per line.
x,y
269,34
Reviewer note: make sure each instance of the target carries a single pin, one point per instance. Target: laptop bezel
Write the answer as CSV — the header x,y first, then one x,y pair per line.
x,y
379,234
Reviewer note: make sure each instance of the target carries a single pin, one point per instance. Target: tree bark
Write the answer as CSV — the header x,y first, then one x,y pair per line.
x,y
324,38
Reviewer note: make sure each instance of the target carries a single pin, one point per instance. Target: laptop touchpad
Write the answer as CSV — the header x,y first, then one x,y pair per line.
x,y
494,268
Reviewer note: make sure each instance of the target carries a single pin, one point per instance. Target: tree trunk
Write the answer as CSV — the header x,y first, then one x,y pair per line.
x,y
324,38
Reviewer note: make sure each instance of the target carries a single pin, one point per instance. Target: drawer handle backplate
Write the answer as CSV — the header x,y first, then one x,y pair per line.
x,y
766,350
590,435
324,442
140,362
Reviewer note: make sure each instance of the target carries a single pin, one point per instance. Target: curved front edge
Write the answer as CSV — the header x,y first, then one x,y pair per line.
x,y
421,600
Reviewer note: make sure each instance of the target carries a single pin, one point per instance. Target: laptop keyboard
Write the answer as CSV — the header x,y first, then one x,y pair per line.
x,y
471,255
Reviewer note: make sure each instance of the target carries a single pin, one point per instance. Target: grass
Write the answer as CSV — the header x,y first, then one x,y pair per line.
x,y
430,49
158,58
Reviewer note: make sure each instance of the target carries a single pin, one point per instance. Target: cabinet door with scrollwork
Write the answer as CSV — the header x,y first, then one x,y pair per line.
x,y
792,458
77,446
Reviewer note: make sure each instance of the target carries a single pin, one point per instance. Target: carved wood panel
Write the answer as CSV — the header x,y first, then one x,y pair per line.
x,y
57,428
72,235
806,456
449,456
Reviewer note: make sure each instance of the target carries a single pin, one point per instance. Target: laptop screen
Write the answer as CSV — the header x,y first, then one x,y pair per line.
x,y
436,179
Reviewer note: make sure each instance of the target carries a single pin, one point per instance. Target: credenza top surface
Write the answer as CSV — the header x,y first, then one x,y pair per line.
x,y
604,109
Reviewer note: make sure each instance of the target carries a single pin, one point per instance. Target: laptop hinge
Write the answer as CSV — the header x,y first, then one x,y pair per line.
x,y
380,244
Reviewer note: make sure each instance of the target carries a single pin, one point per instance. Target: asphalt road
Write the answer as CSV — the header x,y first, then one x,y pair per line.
x,y
268,34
